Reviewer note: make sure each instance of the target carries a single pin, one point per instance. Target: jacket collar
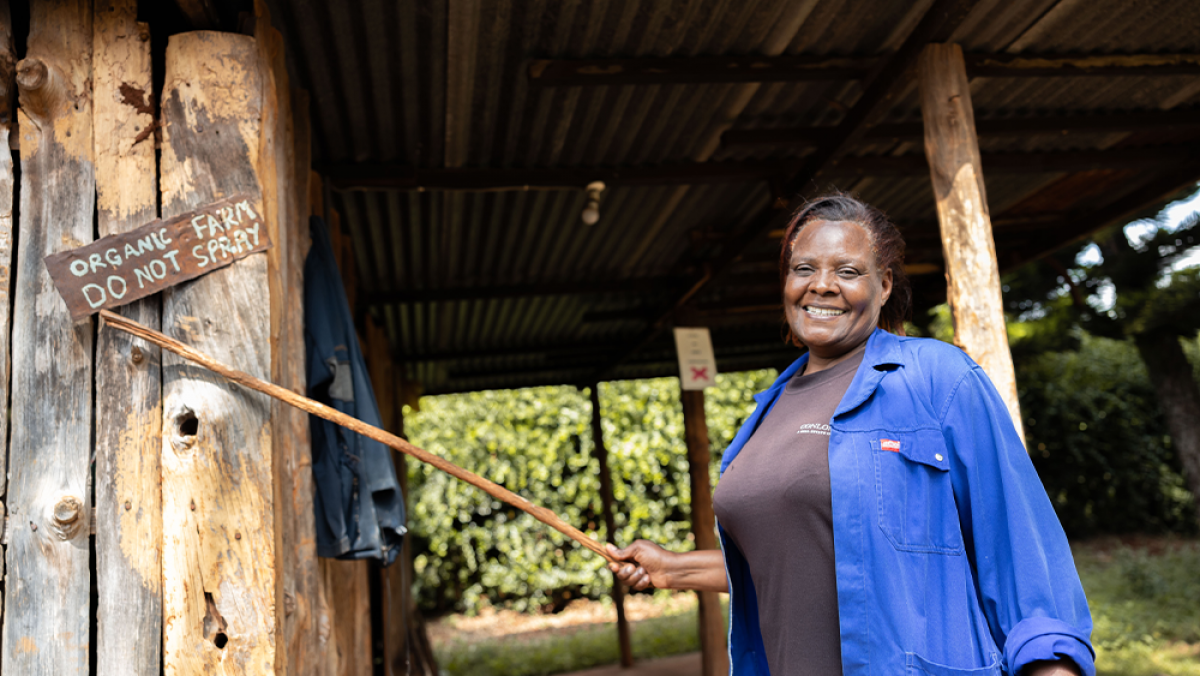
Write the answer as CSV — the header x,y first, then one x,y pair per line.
x,y
883,354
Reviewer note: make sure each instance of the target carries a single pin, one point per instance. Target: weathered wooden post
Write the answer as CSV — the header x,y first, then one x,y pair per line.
x,y
128,373
610,523
714,658
972,274
218,535
7,102
47,622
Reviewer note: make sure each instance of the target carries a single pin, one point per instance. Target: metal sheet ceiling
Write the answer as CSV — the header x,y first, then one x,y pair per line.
x,y
435,83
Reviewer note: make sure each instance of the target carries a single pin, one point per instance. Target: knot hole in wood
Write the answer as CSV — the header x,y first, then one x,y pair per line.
x,y
187,425
214,624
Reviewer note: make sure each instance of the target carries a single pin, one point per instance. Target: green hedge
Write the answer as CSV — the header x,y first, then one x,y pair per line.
x,y
538,443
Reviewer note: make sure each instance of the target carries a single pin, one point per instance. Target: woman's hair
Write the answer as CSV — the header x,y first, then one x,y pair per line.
x,y
886,243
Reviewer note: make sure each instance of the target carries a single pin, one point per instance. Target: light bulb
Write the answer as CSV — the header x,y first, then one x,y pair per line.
x,y
591,213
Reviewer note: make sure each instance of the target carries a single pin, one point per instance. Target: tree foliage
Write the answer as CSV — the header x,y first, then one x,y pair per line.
x,y
1098,440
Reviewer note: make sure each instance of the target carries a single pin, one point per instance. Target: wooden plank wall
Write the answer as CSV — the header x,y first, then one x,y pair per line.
x,y
204,547
128,427
47,620
219,540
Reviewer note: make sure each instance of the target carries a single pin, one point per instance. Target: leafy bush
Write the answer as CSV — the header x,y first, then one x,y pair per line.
x,y
538,443
1098,440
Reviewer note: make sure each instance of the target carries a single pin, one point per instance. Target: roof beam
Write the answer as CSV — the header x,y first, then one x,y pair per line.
x,y
387,176
565,288
710,69
1062,125
1152,157
397,177
697,70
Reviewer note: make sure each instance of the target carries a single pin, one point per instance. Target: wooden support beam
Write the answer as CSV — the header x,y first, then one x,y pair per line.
x,y
713,656
972,273
610,524
387,176
394,177
805,68
47,622
1081,65
128,426
696,70
1058,125
219,597
8,101
1142,159
566,288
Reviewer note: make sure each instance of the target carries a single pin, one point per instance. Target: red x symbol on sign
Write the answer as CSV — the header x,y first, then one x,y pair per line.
x,y
700,373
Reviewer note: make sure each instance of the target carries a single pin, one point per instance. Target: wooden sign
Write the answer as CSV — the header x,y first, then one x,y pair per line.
x,y
119,269
697,364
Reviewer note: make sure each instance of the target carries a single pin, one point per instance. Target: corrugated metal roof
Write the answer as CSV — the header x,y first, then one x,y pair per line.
x,y
432,83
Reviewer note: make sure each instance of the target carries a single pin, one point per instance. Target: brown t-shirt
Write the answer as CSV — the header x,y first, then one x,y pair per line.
x,y
774,500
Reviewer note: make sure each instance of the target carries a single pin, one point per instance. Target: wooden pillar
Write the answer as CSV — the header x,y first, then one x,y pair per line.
x,y
47,620
972,274
128,424
8,102
218,534
714,656
610,524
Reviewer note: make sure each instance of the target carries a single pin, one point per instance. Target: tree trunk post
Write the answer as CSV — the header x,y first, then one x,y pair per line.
x,y
714,658
47,619
610,524
219,593
972,274
128,426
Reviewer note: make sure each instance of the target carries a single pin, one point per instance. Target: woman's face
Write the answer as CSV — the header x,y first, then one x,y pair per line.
x,y
834,291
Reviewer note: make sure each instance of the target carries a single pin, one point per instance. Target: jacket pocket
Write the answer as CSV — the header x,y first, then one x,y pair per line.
x,y
913,492
919,666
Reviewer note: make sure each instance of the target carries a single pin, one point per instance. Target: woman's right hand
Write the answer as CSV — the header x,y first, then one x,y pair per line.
x,y
642,564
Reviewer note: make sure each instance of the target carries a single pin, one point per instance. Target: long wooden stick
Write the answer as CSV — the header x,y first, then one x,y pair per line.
x,y
333,415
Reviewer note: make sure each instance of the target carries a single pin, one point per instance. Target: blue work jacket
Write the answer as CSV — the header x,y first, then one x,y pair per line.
x,y
949,558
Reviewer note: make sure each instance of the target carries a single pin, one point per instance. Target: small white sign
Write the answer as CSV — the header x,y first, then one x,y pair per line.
x,y
697,364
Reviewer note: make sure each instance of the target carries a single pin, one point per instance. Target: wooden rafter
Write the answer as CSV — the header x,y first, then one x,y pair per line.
x,y
707,70
1157,121
566,288
397,177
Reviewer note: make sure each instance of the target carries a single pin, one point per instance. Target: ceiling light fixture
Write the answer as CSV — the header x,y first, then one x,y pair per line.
x,y
591,212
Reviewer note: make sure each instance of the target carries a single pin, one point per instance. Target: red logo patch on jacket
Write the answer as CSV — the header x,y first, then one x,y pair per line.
x,y
890,445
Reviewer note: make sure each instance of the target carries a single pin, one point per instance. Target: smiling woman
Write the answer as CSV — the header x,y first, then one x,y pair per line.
x,y
878,513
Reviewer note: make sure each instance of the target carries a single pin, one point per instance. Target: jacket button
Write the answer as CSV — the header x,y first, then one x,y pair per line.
x,y
938,456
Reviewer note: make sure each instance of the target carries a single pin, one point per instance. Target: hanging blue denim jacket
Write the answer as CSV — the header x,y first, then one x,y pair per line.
x,y
949,558
359,508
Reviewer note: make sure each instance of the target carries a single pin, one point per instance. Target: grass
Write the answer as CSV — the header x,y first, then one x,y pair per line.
x,y
1144,596
590,646
1145,602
